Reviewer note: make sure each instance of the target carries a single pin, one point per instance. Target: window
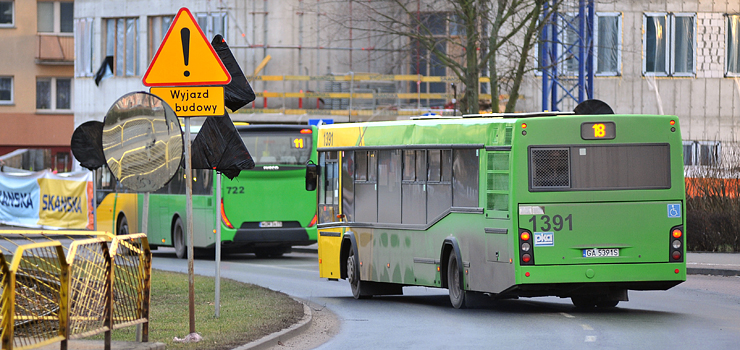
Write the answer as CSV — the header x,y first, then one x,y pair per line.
x,y
702,153
122,37
465,178
158,26
733,45
328,187
6,14
608,44
669,44
55,17
600,167
6,90
83,49
54,94
428,63
212,24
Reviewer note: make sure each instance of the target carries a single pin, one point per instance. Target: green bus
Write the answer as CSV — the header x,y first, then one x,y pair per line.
x,y
266,210
585,207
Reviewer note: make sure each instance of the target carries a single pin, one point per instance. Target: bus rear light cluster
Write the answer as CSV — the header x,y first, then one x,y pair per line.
x,y
224,219
526,253
676,244
314,220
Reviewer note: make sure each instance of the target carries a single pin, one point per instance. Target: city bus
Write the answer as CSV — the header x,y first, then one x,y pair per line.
x,y
266,210
584,207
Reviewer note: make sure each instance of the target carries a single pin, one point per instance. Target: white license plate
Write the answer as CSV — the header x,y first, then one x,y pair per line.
x,y
271,224
598,253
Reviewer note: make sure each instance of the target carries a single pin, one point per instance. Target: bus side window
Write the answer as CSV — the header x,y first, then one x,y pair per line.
x,y
348,185
329,187
465,178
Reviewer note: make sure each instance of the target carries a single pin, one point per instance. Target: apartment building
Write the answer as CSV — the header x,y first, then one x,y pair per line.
x,y
658,56
36,83
668,57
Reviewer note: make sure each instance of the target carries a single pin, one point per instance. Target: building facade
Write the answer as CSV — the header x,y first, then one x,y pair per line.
x,y
668,57
36,83
661,56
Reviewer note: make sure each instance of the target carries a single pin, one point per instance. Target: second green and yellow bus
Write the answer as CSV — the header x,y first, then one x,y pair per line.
x,y
266,210
585,207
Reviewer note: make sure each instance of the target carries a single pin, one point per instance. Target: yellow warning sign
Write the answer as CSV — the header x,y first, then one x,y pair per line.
x,y
200,101
186,57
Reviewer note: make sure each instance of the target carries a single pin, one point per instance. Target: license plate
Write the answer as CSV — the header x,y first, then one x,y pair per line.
x,y
597,253
271,224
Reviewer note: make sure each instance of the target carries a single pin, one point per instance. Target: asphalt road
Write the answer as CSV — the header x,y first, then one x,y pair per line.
x,y
703,312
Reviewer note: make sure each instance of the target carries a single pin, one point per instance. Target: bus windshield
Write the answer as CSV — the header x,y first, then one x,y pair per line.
x,y
287,148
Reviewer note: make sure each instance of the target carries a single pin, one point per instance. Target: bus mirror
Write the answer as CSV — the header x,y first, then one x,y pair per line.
x,y
313,172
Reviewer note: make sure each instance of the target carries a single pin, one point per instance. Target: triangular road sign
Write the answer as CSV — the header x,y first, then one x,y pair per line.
x,y
185,57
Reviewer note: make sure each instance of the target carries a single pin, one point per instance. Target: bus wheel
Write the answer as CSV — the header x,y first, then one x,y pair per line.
x,y
457,294
122,226
353,276
178,240
583,302
607,304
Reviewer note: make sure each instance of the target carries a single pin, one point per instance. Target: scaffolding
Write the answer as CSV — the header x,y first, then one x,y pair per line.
x,y
566,54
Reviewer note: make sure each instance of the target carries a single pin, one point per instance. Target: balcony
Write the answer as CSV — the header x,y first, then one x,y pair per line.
x,y
54,48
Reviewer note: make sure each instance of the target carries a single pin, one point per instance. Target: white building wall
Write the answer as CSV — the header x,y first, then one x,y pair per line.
x,y
262,23
707,104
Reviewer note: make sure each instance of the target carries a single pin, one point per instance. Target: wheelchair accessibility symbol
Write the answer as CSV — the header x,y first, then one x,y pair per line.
x,y
674,210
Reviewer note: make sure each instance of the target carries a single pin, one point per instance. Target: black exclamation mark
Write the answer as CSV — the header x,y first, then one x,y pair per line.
x,y
185,36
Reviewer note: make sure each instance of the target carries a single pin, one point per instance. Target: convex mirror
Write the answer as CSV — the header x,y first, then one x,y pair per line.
x,y
142,142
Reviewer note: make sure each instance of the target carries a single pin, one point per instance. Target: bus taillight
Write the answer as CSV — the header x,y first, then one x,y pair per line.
x,y
314,220
526,253
224,219
306,131
676,240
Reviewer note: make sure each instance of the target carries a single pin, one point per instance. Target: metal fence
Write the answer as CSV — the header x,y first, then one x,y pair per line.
x,y
64,285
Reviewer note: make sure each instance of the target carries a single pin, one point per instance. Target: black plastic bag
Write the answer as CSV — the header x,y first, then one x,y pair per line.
x,y
219,146
87,145
238,93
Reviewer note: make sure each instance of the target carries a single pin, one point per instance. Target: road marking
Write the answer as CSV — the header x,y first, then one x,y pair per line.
x,y
590,339
567,315
586,327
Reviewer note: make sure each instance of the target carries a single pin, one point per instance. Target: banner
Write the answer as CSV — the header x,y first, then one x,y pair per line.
x,y
46,200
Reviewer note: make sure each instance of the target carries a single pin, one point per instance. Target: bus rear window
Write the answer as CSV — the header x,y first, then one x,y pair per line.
x,y
283,148
602,167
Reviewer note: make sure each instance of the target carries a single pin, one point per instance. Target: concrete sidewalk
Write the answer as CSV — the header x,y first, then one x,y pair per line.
x,y
720,264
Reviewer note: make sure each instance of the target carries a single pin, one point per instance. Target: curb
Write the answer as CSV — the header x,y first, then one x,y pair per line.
x,y
271,340
711,271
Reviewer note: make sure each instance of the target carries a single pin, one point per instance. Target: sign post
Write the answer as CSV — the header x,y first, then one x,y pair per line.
x,y
187,73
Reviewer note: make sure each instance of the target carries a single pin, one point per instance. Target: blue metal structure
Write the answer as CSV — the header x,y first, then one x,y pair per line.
x,y
566,38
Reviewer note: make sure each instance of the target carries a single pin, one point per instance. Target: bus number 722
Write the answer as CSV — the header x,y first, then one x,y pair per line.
x,y
234,190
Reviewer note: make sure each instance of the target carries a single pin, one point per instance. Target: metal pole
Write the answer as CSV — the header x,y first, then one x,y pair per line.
x,y
189,220
351,91
144,228
95,200
582,51
218,245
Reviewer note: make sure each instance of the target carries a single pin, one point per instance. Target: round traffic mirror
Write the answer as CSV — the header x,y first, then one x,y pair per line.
x,y
142,142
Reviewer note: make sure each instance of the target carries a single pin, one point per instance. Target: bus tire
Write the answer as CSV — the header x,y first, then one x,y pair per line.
x,y
454,284
178,240
607,304
583,302
353,276
122,228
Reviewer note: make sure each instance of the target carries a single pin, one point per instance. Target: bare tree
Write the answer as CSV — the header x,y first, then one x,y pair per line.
x,y
467,37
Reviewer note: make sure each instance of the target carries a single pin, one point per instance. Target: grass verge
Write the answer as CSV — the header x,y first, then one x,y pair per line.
x,y
248,312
